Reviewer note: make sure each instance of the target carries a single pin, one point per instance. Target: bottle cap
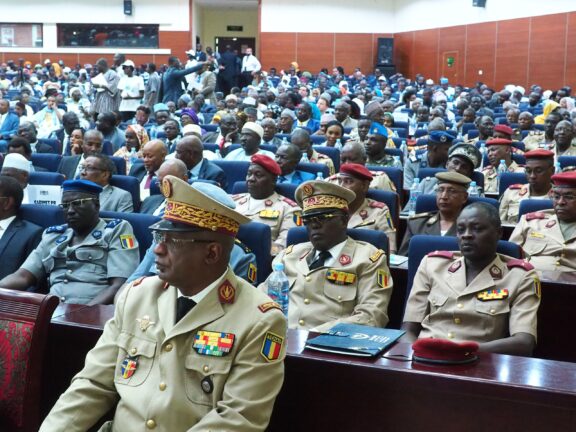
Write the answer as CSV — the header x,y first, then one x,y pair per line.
x,y
279,267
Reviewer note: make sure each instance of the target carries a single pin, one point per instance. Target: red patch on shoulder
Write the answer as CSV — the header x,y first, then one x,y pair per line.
x,y
520,263
535,215
441,254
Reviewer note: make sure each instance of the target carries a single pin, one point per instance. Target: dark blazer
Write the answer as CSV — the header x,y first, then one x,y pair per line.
x,y
150,204
138,170
210,137
211,171
19,240
423,223
43,148
68,166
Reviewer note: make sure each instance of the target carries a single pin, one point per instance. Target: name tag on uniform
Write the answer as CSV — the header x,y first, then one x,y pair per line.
x,y
535,234
216,344
495,294
340,277
269,214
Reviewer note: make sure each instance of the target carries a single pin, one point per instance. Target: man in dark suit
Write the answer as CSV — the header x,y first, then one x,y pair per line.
x,y
70,166
70,122
189,150
28,131
155,204
173,77
153,154
9,122
228,75
18,238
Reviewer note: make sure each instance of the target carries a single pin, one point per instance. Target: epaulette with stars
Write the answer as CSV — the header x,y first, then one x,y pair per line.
x,y
113,223
56,229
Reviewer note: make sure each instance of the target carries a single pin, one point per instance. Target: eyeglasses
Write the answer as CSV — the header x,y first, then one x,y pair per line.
x,y
90,168
567,197
449,191
319,219
76,203
174,243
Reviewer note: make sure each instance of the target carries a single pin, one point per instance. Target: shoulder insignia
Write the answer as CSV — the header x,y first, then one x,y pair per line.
x,y
535,215
271,346
519,263
236,197
61,239
252,272
377,173
441,254
297,218
226,292
382,277
288,250
97,234
516,186
455,266
265,307
289,202
377,204
419,215
366,223
376,255
432,220
56,229
113,223
245,248
127,241
138,281
524,190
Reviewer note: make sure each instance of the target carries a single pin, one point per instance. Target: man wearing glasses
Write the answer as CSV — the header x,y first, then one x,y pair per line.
x,y
548,236
85,260
451,197
194,348
333,278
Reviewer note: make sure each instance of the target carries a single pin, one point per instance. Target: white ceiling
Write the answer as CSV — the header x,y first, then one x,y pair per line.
x,y
228,4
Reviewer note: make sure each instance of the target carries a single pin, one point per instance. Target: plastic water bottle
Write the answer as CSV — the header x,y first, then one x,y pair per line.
x,y
557,168
133,158
482,154
304,158
397,162
338,144
218,154
279,287
284,141
473,190
502,168
414,194
319,176
404,149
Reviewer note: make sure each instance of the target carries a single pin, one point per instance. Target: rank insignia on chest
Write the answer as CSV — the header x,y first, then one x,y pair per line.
x,y
145,322
97,234
215,344
535,234
495,272
128,366
271,346
455,266
127,241
382,278
269,214
340,277
494,294
344,259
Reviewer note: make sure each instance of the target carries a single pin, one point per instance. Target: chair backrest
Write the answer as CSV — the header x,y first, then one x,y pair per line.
x,y
120,164
54,143
376,238
427,202
258,237
473,133
428,172
47,161
332,152
395,152
210,127
24,324
42,215
287,190
510,178
567,161
235,171
211,147
395,174
401,132
140,225
317,139
467,127
533,205
107,148
420,132
391,199
46,178
314,168
130,184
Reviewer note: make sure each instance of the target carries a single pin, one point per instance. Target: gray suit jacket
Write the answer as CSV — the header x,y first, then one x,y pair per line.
x,y
115,199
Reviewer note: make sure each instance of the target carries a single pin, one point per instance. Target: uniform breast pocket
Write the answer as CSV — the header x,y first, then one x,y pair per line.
x,y
90,258
436,303
534,245
135,359
493,317
493,307
205,377
343,297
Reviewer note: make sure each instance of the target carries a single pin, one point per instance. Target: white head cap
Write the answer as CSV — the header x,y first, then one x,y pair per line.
x,y
17,161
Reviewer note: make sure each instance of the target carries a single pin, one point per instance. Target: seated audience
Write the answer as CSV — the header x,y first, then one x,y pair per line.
x,y
301,139
153,154
288,157
250,139
18,167
498,149
70,166
435,156
190,151
136,137
354,152
28,130
21,146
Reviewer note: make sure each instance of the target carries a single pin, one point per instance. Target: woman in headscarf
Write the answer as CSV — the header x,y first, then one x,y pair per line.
x,y
188,116
136,137
548,108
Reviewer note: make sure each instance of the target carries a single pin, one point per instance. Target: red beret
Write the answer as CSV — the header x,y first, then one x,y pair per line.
x,y
356,170
539,154
565,179
498,141
267,163
505,129
443,351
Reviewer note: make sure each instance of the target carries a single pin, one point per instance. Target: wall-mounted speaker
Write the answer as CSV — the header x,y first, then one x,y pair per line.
x,y
127,7
479,3
385,51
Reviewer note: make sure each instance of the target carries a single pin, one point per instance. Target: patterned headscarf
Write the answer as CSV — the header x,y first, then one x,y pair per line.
x,y
140,132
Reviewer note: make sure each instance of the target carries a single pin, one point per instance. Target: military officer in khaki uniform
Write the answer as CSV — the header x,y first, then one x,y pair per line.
x,y
485,126
192,349
451,197
564,135
475,294
498,149
548,237
543,139
333,278
539,170
86,260
262,204
301,138
366,213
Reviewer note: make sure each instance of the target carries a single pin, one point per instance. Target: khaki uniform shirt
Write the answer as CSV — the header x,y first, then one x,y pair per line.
x,y
375,215
356,288
423,224
501,301
539,234
571,151
510,202
78,273
534,140
176,385
323,159
276,211
380,181
491,176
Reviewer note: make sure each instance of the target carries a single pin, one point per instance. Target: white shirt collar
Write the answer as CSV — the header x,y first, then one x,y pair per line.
x,y
334,253
5,223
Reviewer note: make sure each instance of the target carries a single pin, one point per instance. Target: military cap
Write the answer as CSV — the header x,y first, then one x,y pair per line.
x,y
443,351
505,129
440,137
453,178
84,186
356,170
539,154
267,163
565,179
315,197
378,129
467,151
254,127
498,141
200,206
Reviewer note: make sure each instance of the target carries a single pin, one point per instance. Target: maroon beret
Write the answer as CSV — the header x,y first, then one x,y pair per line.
x,y
565,179
539,154
267,163
357,171
443,351
498,141
505,129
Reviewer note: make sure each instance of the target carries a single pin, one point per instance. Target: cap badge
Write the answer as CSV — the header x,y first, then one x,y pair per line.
x,y
307,190
443,138
166,188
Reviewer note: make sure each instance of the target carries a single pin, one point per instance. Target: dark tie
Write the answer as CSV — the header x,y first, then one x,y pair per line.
x,y
319,262
183,306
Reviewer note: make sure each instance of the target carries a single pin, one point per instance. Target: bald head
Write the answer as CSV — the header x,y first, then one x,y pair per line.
x,y
189,150
154,152
174,167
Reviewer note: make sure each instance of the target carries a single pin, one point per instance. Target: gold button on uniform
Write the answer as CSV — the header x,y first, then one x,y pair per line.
x,y
492,311
301,322
206,369
306,301
450,335
150,424
168,347
339,298
460,305
308,278
133,351
457,320
162,386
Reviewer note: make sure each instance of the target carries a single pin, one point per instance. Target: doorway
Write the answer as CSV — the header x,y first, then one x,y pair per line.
x,y
238,45
450,66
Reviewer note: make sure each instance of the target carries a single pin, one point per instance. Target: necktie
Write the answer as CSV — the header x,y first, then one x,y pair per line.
x,y
319,262
183,306
221,143
148,181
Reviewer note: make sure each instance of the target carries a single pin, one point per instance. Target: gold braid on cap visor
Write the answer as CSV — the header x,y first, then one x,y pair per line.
x,y
324,201
188,214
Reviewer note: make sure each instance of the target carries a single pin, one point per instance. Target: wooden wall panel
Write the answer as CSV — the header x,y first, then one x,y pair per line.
x,y
480,53
452,40
353,50
178,42
277,50
512,52
425,53
547,50
403,45
315,51
570,73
